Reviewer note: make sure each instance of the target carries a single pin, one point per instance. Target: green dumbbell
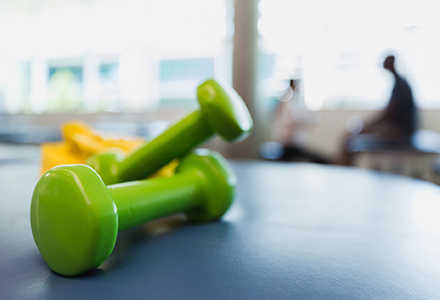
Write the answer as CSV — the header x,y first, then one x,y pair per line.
x,y
75,218
221,111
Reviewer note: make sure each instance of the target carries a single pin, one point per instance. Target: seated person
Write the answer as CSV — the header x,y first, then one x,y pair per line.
x,y
290,124
290,118
397,121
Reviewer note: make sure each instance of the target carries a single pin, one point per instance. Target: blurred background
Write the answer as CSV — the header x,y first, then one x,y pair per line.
x,y
133,65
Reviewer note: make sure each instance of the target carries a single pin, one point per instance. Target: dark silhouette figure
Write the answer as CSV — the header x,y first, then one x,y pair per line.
x,y
397,122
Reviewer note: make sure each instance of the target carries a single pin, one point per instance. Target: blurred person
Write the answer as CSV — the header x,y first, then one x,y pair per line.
x,y
289,117
289,126
398,121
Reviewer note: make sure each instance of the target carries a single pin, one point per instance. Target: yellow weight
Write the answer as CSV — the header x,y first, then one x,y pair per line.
x,y
80,141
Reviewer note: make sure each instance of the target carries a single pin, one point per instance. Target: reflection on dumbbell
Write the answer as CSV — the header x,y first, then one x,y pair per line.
x,y
221,111
75,218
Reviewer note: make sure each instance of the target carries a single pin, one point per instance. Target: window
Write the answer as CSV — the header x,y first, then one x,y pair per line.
x,y
337,49
65,85
108,95
94,56
179,79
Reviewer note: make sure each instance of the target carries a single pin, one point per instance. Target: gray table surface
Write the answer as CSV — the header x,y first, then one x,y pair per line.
x,y
295,231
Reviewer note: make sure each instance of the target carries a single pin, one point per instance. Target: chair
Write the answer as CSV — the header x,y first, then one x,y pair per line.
x,y
415,156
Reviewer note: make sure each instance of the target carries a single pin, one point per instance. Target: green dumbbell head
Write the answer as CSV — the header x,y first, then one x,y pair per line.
x,y
222,112
217,178
75,217
106,165
225,110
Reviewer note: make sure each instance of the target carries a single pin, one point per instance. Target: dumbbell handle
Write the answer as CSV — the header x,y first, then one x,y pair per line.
x,y
144,200
178,139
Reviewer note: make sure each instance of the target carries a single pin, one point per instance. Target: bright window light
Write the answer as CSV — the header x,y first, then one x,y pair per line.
x,y
106,55
337,48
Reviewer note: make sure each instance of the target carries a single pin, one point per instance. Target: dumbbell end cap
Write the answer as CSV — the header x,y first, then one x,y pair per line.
x,y
74,219
105,164
219,182
225,110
